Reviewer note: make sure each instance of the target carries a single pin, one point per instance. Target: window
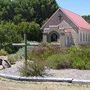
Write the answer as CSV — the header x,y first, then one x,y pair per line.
x,y
84,36
67,40
88,37
80,36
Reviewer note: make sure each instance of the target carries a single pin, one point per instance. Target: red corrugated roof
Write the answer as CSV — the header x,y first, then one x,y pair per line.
x,y
76,19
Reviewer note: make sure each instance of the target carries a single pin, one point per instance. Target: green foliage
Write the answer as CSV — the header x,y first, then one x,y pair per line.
x,y
33,69
19,16
59,58
42,51
13,58
80,53
9,35
59,61
87,66
32,29
26,10
21,51
78,63
3,52
87,18
77,58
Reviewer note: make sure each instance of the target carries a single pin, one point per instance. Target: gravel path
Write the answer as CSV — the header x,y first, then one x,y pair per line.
x,y
63,73
71,73
13,70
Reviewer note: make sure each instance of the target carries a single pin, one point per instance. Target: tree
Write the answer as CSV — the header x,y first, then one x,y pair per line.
x,y
32,29
18,16
26,10
87,18
8,35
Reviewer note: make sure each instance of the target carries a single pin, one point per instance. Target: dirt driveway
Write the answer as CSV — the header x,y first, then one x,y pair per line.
x,y
20,85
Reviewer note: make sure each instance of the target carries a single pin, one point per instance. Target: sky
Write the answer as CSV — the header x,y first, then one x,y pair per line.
x,y
81,7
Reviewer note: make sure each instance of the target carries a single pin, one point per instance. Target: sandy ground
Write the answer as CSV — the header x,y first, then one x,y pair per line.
x,y
20,85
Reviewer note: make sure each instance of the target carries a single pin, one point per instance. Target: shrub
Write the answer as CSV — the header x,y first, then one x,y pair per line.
x,y
57,58
78,64
87,65
21,51
3,52
43,51
81,53
13,58
33,69
76,58
59,61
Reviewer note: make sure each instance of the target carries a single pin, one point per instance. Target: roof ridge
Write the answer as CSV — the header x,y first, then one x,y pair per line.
x,y
65,11
76,14
70,11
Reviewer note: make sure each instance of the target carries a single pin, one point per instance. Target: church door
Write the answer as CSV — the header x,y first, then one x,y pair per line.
x,y
54,37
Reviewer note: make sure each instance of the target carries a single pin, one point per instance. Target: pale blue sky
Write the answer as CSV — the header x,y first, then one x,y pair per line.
x,y
81,7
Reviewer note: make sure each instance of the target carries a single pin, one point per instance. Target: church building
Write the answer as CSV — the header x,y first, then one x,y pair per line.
x,y
66,28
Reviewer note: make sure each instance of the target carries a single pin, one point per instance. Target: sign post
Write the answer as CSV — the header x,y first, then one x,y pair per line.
x,y
25,44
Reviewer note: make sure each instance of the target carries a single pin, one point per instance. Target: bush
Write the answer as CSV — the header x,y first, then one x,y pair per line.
x,y
33,69
87,65
58,61
13,58
58,58
43,51
81,53
21,51
78,64
3,52
77,58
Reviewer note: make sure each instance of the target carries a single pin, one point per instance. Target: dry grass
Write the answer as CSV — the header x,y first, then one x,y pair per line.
x,y
20,85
